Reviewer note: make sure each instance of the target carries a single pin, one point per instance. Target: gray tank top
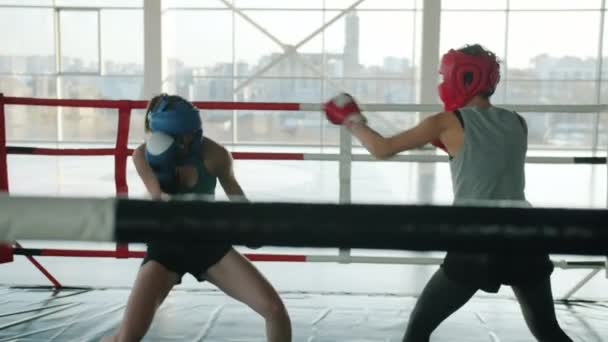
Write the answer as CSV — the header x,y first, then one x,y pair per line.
x,y
490,164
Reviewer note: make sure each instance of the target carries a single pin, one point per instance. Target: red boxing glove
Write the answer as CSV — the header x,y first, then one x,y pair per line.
x,y
437,143
343,110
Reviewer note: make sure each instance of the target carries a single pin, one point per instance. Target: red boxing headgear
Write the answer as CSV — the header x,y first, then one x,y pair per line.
x,y
484,73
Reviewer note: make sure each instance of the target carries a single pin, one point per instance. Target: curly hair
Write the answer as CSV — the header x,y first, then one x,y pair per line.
x,y
478,50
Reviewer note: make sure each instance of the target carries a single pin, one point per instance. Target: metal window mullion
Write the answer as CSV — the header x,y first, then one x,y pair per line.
x,y
599,97
235,137
57,28
431,37
413,91
346,146
606,133
345,166
153,65
505,63
58,67
598,89
99,56
322,129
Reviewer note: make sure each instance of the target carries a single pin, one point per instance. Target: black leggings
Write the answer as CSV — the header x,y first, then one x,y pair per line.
x,y
442,296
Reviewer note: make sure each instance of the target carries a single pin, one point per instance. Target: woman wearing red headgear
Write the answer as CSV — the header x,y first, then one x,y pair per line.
x,y
487,147
175,160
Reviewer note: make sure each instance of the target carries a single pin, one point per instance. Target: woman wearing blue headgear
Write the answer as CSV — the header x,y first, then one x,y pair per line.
x,y
178,159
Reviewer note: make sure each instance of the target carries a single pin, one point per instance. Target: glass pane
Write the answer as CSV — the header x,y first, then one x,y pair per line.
x,y
79,41
500,93
90,124
474,4
376,91
546,67
354,48
578,185
62,176
605,54
218,125
398,183
375,4
100,3
604,92
418,183
281,65
284,127
387,4
551,92
552,39
97,87
270,4
30,122
252,49
190,48
390,123
555,4
211,89
275,126
27,41
168,4
122,50
560,130
258,50
282,90
308,181
136,127
603,132
27,2
454,34
28,86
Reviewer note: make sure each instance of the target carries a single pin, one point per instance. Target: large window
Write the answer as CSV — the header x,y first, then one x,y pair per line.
x,y
288,51
69,49
553,52
297,51
550,52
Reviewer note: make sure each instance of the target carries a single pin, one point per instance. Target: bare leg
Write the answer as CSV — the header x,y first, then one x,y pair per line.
x,y
536,301
440,298
239,279
152,285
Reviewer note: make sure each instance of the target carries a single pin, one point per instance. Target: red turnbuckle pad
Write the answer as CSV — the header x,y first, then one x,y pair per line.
x,y
6,252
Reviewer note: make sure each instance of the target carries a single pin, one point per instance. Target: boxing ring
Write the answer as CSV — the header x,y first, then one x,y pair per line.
x,y
564,231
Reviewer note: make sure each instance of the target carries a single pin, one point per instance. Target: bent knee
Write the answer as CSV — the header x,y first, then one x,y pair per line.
x,y
126,337
273,309
548,331
554,335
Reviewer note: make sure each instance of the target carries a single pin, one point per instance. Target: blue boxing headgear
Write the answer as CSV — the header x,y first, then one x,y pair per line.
x,y
175,119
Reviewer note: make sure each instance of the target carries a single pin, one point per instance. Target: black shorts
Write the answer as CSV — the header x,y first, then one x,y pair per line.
x,y
195,259
488,271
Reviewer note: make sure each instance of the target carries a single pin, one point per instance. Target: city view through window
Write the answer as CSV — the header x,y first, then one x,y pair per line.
x,y
99,54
